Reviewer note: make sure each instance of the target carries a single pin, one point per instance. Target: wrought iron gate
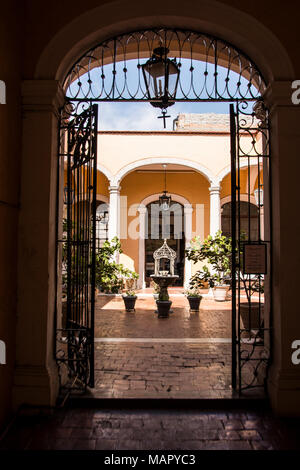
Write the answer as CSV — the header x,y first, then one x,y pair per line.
x,y
76,244
251,239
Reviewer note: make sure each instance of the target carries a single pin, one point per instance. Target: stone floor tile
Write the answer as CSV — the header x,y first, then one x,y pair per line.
x,y
154,430
252,435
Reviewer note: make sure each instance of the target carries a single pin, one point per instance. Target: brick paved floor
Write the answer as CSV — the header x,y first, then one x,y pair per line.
x,y
111,320
162,369
138,355
89,429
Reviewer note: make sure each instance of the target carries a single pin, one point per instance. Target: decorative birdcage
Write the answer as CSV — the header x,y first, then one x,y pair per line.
x,y
164,252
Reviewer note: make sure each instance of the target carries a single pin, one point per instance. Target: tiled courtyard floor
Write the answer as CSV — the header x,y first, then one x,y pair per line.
x,y
89,429
111,320
138,355
156,370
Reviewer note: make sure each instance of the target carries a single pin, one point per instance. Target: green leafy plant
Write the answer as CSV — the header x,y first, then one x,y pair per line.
x,y
216,251
130,293
130,278
110,275
79,262
155,287
193,292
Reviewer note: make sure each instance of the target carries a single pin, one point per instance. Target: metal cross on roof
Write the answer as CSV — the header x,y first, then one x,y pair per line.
x,y
164,117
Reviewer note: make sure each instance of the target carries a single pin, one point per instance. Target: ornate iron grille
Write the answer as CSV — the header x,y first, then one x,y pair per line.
x,y
251,298
78,167
210,69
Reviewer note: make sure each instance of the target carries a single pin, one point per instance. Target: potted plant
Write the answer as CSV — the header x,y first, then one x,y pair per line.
x,y
194,297
216,251
110,275
129,300
163,305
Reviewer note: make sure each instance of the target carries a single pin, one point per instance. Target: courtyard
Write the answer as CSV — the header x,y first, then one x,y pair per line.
x,y
138,355
137,125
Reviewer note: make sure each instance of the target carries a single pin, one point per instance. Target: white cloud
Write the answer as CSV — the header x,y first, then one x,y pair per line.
x,y
141,116
132,117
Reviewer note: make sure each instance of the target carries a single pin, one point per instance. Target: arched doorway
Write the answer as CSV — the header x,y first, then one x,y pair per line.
x,y
42,98
160,225
201,56
249,220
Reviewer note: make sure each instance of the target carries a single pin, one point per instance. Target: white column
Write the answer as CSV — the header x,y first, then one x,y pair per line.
x,y
114,212
188,221
215,209
142,234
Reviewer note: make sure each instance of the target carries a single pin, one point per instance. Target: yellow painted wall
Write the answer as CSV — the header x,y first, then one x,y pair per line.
x,y
210,150
102,183
226,183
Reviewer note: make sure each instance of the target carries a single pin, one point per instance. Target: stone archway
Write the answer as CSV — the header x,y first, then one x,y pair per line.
x,y
36,375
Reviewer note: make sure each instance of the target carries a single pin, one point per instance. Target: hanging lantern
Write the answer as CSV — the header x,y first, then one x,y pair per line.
x,y
259,197
161,77
164,200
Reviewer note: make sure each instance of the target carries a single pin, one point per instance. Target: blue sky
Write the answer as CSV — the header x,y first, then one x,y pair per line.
x,y
141,116
144,117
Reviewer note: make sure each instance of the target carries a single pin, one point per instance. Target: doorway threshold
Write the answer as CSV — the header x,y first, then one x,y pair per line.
x,y
255,402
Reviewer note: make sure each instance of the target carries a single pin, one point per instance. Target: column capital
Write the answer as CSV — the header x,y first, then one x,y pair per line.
x,y
42,96
215,188
115,188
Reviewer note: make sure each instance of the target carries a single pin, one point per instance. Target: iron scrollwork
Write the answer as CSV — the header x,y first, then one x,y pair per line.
x,y
253,323
210,68
78,162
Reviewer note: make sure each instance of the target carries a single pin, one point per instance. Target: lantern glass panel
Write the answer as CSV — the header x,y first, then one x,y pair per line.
x,y
155,79
172,80
259,196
